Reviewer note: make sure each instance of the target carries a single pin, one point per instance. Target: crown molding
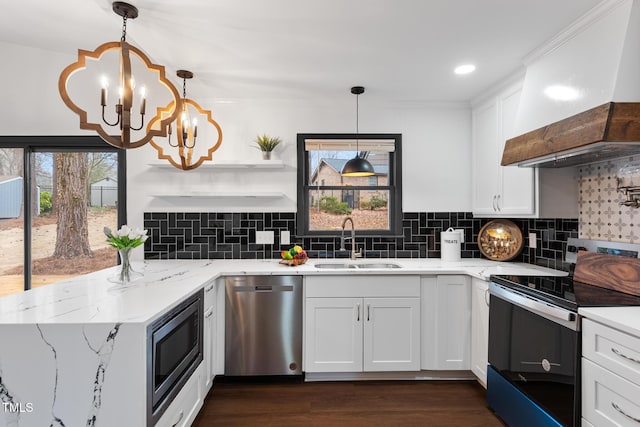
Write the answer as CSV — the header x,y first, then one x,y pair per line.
x,y
577,27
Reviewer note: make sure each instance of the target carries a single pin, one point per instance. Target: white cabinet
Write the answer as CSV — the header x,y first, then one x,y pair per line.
x,y
610,376
499,190
446,322
187,403
210,335
362,323
480,329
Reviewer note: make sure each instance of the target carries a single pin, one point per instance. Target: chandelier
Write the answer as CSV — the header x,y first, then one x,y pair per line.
x,y
121,124
183,148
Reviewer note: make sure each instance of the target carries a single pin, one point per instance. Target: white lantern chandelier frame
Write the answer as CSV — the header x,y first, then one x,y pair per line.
x,y
186,129
124,106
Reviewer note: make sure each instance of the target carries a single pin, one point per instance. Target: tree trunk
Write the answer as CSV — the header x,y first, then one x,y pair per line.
x,y
72,238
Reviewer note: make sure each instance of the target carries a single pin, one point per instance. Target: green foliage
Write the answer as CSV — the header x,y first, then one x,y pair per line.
x,y
331,204
376,202
267,143
46,203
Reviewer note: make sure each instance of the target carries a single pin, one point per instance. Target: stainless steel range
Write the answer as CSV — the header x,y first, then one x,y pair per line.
x,y
533,378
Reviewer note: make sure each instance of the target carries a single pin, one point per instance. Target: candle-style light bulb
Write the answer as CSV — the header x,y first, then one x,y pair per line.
x,y
103,91
143,102
195,128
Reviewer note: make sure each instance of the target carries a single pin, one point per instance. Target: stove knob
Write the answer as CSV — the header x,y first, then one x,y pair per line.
x,y
572,249
582,248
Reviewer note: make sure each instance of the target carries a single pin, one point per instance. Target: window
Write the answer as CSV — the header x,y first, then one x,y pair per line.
x,y
326,198
41,181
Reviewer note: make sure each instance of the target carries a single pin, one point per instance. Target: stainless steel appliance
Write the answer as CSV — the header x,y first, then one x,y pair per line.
x,y
263,325
174,351
533,378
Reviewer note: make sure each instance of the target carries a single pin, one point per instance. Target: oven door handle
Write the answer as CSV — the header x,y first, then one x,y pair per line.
x,y
523,300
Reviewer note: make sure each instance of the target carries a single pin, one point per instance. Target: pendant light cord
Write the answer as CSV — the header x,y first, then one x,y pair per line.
x,y
357,125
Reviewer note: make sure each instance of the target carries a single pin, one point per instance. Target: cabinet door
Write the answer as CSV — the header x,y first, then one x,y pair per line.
x,y
480,329
209,349
486,159
517,186
333,335
391,334
209,333
454,322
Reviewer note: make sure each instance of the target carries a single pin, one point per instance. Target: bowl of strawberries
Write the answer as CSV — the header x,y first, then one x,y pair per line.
x,y
294,256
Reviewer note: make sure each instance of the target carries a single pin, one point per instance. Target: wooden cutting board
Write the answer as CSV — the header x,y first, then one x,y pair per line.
x,y
615,272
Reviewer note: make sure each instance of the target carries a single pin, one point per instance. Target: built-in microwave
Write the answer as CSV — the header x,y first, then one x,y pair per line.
x,y
174,351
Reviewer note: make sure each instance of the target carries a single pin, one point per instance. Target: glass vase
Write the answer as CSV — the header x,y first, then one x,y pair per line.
x,y
126,274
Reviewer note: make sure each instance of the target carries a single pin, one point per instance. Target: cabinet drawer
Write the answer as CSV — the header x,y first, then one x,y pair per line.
x,y
185,406
360,286
209,294
612,349
608,399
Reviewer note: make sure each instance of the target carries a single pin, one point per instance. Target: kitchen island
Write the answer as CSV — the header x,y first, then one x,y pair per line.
x,y
75,353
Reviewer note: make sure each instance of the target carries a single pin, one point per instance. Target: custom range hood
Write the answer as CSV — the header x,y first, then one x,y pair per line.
x,y
580,101
609,131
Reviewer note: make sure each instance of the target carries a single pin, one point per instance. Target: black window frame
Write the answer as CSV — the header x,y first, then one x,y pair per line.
x,y
46,143
394,185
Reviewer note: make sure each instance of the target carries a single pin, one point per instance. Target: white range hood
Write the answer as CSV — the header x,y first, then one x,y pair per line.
x,y
597,60
594,62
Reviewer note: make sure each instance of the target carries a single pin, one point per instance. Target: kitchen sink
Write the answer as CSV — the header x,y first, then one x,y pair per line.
x,y
334,265
337,266
379,265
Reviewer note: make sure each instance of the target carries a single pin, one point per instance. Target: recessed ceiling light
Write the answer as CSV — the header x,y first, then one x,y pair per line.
x,y
465,69
562,93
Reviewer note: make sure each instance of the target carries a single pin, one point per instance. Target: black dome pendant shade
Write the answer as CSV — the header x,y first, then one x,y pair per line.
x,y
357,166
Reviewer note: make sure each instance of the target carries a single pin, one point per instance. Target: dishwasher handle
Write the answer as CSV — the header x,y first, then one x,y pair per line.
x,y
263,288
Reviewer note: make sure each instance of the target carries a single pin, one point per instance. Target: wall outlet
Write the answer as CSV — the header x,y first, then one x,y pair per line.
x,y
285,237
533,244
264,237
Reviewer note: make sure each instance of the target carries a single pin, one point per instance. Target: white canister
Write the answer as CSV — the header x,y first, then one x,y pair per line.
x,y
450,241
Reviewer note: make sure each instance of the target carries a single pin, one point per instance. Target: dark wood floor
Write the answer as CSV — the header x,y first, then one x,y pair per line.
x,y
363,403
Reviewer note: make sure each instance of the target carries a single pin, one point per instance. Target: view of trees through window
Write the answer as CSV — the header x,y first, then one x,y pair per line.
x,y
332,197
74,195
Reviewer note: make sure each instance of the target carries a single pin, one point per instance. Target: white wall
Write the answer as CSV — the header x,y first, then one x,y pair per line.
x,y
436,141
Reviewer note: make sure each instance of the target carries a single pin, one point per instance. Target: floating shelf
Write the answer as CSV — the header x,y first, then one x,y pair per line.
x,y
260,164
244,195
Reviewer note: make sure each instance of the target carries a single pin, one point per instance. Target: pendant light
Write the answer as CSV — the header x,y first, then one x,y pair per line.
x,y
125,121
357,166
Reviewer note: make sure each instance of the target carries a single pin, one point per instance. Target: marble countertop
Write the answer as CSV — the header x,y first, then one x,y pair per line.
x,y
91,298
625,319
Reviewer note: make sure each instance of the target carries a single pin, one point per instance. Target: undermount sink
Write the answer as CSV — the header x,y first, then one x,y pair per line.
x,y
379,265
333,265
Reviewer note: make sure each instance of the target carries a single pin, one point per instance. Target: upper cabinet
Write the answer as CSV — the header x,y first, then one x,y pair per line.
x,y
512,191
499,190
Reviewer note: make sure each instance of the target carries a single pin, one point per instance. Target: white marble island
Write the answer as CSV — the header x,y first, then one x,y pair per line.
x,y
74,353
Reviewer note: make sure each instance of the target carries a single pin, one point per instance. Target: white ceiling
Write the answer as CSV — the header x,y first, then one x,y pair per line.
x,y
398,49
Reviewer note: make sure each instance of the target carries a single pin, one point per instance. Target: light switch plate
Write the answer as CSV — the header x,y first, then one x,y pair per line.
x,y
264,237
285,237
532,241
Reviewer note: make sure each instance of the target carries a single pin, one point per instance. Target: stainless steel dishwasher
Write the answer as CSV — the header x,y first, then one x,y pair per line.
x,y
263,325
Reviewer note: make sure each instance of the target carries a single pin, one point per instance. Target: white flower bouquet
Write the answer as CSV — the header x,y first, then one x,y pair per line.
x,y
126,237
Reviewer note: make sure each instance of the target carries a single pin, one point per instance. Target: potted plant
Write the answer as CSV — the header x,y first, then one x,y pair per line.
x,y
266,144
